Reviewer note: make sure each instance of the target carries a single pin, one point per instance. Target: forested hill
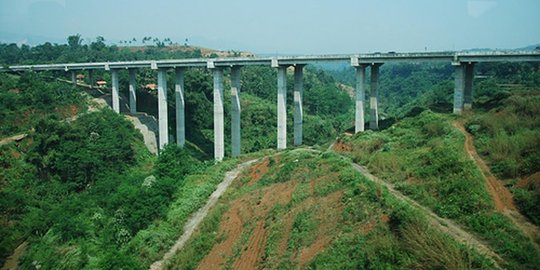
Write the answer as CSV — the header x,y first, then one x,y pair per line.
x,y
327,109
83,191
78,189
404,86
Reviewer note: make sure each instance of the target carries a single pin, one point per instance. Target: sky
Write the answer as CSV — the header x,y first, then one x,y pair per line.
x,y
282,26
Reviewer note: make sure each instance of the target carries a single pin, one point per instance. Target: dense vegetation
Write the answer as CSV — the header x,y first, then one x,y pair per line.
x,y
403,87
84,193
82,190
26,100
76,51
327,109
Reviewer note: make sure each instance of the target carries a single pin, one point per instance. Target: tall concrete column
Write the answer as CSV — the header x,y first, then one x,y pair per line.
x,y
360,96
180,107
373,100
219,143
115,95
91,78
468,91
162,108
74,78
459,85
282,107
235,110
298,98
132,91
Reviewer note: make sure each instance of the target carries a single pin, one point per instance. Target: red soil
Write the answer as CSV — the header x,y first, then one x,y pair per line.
x,y
533,179
340,146
258,171
501,195
254,206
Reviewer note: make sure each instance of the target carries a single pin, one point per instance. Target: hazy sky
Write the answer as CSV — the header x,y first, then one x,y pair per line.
x,y
284,27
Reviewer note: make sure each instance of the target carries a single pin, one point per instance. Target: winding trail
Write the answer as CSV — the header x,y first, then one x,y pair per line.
x,y
445,225
196,219
502,197
12,262
13,138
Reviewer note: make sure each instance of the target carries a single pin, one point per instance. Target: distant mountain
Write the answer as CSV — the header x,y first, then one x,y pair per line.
x,y
530,47
526,48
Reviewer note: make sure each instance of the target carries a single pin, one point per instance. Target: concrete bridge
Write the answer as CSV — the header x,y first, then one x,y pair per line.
x,y
463,63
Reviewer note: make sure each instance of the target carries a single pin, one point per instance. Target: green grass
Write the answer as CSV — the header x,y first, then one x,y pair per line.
x,y
151,243
424,157
507,138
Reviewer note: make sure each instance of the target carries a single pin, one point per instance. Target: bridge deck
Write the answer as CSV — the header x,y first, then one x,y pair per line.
x,y
355,59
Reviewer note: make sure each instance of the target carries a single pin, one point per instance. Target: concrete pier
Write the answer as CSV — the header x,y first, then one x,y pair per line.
x,y
219,143
162,108
115,95
373,100
74,78
459,85
180,107
360,97
282,107
91,78
298,99
235,111
132,91
468,90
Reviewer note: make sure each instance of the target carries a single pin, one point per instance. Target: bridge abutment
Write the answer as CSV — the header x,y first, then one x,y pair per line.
x,y
162,108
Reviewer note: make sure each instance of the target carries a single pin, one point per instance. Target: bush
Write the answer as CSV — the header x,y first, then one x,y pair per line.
x,y
528,201
176,162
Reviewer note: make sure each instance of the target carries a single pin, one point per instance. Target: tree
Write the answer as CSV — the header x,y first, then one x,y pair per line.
x,y
99,44
74,41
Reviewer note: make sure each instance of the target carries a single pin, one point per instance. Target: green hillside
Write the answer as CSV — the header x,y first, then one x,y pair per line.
x,y
313,210
80,190
430,190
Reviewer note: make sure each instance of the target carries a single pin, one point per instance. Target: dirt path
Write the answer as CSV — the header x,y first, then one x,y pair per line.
x,y
13,138
445,225
194,221
12,262
502,197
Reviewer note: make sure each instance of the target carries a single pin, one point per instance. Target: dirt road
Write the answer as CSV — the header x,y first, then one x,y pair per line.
x,y
502,197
